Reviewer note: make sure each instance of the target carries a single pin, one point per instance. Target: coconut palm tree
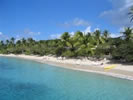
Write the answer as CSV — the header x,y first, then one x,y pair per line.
x,y
1,43
23,44
106,35
78,38
12,40
131,13
23,41
128,33
67,40
30,40
7,42
65,36
98,38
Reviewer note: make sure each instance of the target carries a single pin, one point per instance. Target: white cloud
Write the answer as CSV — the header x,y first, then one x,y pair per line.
x,y
1,33
18,37
26,33
96,29
29,32
88,29
38,33
3,36
114,35
75,22
122,29
118,15
72,33
80,22
55,36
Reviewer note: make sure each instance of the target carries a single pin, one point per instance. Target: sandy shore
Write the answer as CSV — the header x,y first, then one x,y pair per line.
x,y
120,71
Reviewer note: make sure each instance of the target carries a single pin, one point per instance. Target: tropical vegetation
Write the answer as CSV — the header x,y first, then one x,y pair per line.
x,y
97,44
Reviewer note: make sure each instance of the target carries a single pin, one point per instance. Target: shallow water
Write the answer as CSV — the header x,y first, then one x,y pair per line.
x,y
28,80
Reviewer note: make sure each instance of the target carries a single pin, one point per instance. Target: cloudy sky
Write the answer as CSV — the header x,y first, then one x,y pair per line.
x,y
46,19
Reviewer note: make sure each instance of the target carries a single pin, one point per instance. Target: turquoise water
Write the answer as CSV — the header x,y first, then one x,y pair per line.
x,y
28,80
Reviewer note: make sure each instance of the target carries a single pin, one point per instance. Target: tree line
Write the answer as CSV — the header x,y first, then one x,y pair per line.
x,y
97,44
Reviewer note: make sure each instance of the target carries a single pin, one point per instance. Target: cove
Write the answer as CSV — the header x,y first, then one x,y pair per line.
x,y
29,80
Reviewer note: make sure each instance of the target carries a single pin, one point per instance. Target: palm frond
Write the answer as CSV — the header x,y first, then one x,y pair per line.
x,y
131,14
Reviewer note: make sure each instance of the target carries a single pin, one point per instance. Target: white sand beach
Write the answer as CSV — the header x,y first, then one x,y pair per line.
x,y
119,71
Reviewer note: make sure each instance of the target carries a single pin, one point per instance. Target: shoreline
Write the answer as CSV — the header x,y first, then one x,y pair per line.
x,y
120,71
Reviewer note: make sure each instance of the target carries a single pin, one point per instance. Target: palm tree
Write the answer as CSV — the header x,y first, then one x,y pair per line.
x,y
106,35
65,36
83,44
23,41
12,40
30,40
128,33
78,38
7,42
18,43
131,13
1,43
98,38
68,43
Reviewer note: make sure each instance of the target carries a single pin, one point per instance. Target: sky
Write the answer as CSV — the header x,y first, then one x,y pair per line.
x,y
48,19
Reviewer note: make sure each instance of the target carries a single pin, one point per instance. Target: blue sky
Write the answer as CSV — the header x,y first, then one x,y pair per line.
x,y
46,19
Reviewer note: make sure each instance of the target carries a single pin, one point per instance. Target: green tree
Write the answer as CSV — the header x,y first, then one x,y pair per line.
x,y
7,42
106,35
98,38
12,41
65,36
128,33
131,14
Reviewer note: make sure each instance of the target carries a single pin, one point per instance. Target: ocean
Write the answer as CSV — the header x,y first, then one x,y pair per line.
x,y
29,80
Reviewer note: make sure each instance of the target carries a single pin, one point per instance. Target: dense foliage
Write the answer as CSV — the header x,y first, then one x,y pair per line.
x,y
96,44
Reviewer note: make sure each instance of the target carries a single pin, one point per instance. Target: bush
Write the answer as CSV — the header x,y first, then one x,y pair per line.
x,y
124,52
68,54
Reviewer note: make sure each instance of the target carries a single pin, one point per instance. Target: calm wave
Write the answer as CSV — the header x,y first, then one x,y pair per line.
x,y
28,80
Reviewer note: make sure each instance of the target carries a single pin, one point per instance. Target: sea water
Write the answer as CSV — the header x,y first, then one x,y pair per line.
x,y
28,80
